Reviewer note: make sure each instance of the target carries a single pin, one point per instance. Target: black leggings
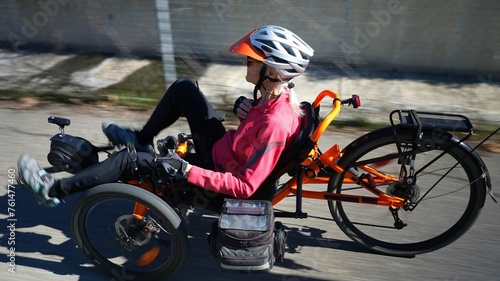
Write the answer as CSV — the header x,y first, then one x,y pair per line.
x,y
183,98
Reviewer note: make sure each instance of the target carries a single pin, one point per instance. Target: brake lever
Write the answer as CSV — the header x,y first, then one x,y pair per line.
x,y
132,154
152,151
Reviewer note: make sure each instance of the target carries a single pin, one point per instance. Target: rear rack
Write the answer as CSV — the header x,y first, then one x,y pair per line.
x,y
431,120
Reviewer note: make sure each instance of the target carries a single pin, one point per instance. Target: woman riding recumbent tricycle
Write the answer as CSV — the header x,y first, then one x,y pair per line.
x,y
356,174
399,214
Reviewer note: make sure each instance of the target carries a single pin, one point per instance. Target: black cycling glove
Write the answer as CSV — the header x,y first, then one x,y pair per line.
x,y
242,106
237,104
174,165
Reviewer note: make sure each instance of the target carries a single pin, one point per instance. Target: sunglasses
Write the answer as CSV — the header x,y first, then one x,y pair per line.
x,y
250,61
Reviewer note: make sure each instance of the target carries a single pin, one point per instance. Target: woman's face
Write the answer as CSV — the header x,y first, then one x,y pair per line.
x,y
253,70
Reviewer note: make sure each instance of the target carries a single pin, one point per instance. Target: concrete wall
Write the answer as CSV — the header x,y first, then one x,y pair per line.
x,y
126,28
443,37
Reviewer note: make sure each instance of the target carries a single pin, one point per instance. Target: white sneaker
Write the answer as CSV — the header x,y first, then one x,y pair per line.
x,y
32,175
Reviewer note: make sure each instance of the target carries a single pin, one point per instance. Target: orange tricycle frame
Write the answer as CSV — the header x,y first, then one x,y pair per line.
x,y
312,165
329,159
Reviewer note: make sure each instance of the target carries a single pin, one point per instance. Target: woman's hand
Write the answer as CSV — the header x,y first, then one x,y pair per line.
x,y
174,165
242,106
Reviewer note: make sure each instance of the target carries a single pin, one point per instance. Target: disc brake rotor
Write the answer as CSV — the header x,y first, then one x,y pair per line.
x,y
129,228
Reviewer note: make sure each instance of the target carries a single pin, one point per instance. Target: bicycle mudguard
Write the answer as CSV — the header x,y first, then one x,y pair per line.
x,y
480,163
390,131
373,134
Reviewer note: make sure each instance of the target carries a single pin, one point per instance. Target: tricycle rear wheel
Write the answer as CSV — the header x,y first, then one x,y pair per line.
x,y
449,197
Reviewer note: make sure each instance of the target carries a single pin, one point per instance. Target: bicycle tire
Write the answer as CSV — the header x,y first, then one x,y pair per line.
x,y
357,220
84,232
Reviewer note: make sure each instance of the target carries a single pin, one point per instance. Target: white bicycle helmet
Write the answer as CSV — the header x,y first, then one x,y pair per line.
x,y
277,47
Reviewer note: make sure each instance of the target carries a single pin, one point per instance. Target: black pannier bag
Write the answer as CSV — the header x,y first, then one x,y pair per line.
x,y
71,154
245,238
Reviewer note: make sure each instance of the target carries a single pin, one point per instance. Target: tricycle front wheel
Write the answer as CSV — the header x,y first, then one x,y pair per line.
x,y
128,246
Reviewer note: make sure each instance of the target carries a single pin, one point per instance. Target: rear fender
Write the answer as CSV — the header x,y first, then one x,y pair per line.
x,y
480,163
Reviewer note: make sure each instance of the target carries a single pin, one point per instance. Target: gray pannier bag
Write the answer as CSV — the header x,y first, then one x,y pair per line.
x,y
245,238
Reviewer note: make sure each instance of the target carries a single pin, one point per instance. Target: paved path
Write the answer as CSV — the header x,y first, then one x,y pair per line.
x,y
318,250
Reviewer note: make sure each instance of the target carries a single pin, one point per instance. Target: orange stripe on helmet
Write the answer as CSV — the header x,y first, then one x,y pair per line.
x,y
245,47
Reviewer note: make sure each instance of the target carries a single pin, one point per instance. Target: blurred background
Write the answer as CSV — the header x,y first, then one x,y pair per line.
x,y
443,55
114,59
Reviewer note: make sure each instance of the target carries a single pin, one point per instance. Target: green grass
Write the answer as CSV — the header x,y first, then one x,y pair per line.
x,y
48,97
483,130
144,87
77,63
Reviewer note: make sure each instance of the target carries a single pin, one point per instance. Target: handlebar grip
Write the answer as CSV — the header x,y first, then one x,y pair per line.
x,y
354,101
59,121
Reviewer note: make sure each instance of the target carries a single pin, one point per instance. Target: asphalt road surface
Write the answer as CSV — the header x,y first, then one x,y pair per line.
x,y
317,249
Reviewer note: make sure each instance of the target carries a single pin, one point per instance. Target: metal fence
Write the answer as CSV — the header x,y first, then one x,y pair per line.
x,y
437,37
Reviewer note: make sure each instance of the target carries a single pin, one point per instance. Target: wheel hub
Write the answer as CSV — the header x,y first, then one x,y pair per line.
x,y
404,189
132,231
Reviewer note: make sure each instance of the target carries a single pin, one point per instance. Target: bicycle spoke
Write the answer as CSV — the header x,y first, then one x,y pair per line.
x,y
130,239
440,178
128,242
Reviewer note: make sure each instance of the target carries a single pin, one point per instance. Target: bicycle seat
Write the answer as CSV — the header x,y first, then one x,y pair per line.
x,y
292,156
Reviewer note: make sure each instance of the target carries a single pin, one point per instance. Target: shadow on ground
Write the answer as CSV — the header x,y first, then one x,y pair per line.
x,y
43,240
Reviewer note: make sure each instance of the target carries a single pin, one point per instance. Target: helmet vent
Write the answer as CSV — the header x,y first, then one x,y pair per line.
x,y
267,45
288,49
280,35
304,56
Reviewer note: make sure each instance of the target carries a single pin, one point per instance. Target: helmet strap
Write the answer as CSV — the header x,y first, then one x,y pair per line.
x,y
273,79
290,84
262,78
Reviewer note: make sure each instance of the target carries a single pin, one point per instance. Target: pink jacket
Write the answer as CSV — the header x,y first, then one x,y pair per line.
x,y
245,157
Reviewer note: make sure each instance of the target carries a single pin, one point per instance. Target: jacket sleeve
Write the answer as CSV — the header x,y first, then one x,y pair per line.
x,y
266,152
